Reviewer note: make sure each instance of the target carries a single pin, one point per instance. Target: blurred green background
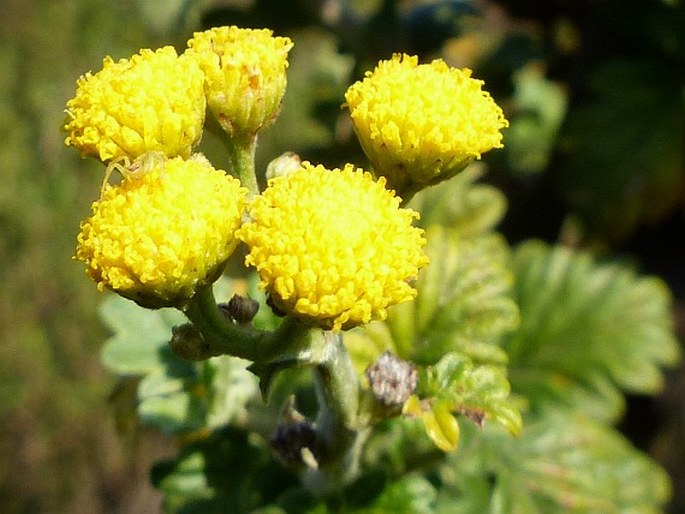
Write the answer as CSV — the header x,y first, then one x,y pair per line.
x,y
595,158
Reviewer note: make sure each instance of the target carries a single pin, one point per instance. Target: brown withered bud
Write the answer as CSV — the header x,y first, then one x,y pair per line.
x,y
240,309
392,379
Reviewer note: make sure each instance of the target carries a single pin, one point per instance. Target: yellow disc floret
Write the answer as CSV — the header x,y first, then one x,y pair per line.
x,y
333,246
152,102
245,73
155,239
420,124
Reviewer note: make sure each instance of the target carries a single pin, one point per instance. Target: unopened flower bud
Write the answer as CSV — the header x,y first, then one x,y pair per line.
x,y
283,165
295,438
245,75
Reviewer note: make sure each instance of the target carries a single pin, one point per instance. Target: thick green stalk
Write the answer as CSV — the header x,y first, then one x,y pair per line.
x,y
339,437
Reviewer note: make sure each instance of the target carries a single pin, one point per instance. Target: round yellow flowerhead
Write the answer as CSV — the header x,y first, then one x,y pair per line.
x,y
157,238
333,246
153,102
420,124
245,73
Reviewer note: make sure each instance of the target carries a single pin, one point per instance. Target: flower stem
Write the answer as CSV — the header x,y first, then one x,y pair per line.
x,y
339,438
241,154
220,336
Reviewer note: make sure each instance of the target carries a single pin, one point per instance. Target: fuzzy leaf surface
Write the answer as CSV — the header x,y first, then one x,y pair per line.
x,y
139,341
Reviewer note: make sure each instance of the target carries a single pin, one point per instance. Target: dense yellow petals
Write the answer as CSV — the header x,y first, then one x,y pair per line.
x,y
155,238
151,102
333,246
245,73
422,123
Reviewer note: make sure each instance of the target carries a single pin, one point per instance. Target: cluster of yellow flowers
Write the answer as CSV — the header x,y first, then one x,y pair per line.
x,y
332,247
169,226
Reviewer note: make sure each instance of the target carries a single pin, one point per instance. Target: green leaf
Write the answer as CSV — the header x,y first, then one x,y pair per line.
x,y
563,462
588,331
478,392
176,395
539,107
438,421
464,301
570,463
461,205
140,336
232,388
464,298
412,494
166,402
225,472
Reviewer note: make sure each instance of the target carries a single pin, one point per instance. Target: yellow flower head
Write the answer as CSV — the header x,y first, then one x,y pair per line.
x,y
245,75
421,124
153,102
155,239
333,247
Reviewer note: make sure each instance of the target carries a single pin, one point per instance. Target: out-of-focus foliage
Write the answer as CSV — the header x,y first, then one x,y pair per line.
x,y
623,157
562,463
607,120
540,109
588,332
60,448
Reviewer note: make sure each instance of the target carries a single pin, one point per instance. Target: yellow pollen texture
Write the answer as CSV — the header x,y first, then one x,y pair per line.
x,y
423,118
155,238
151,102
333,246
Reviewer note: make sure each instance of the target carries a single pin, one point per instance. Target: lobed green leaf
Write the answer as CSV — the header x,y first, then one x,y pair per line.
x,y
479,392
139,337
461,205
588,331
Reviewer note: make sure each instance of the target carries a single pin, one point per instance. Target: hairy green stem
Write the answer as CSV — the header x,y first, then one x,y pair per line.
x,y
339,437
338,385
241,160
